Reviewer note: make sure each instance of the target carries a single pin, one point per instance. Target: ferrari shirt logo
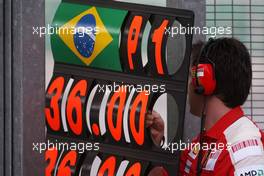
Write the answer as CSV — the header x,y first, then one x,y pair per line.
x,y
86,35
194,152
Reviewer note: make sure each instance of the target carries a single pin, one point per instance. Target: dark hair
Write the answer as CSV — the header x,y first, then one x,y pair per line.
x,y
233,70
196,51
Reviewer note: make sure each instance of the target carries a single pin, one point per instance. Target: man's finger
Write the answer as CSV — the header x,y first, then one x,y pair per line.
x,y
159,124
149,117
154,133
149,123
156,115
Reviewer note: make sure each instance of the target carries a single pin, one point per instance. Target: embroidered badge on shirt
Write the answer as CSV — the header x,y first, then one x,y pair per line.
x,y
188,166
245,148
194,152
213,157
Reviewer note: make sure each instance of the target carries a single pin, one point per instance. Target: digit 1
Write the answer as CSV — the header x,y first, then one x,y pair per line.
x,y
157,39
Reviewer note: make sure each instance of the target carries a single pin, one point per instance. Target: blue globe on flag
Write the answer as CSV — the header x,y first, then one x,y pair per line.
x,y
85,33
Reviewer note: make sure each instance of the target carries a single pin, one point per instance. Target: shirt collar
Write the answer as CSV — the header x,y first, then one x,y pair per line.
x,y
224,122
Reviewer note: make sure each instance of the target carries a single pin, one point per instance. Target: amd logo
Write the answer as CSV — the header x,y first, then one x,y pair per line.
x,y
259,172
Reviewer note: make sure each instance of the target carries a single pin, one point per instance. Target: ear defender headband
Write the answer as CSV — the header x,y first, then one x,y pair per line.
x,y
203,74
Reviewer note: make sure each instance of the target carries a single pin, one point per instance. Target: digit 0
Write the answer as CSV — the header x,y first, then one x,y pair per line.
x,y
116,130
134,170
108,166
140,101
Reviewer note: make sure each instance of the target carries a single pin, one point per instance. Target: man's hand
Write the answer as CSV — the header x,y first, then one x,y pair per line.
x,y
156,125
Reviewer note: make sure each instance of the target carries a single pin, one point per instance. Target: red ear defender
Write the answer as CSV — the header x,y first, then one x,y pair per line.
x,y
203,79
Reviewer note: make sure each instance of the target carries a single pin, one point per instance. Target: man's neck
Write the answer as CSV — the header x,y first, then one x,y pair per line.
x,y
215,109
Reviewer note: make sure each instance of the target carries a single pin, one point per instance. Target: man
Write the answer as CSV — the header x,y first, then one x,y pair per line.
x,y
236,143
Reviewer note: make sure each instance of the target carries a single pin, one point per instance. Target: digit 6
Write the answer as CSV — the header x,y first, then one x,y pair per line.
x,y
70,158
74,104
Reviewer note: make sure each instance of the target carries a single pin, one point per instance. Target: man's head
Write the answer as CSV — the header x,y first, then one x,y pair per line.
x,y
232,69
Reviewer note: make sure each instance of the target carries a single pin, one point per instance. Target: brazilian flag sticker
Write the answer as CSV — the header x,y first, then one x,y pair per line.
x,y
87,35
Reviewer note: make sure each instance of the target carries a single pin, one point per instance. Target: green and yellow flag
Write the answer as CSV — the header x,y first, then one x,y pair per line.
x,y
87,36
